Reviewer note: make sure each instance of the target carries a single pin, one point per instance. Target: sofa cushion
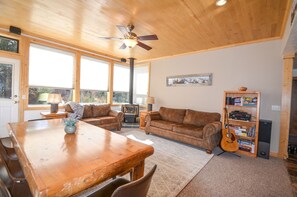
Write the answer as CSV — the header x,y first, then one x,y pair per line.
x,y
100,110
88,113
173,115
189,130
163,124
199,119
101,120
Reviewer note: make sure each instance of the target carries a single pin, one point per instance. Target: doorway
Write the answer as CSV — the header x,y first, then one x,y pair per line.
x,y
292,142
9,93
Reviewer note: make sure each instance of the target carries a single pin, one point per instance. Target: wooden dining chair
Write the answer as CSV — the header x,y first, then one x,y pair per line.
x,y
121,187
3,190
11,160
6,143
12,175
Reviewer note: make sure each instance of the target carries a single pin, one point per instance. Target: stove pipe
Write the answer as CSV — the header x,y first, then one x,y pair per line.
x,y
131,79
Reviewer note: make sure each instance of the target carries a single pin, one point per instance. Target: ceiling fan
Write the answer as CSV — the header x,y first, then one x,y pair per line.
x,y
131,39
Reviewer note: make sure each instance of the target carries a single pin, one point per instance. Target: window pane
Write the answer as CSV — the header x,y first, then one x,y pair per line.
x,y
94,74
49,67
120,97
8,44
141,78
93,96
121,80
5,81
38,95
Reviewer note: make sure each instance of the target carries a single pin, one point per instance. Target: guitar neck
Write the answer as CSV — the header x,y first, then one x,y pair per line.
x,y
227,120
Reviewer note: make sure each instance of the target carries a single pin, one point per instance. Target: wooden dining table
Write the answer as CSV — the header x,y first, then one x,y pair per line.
x,y
60,164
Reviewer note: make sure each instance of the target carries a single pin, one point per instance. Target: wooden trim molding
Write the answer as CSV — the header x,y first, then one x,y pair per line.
x,y
110,84
286,106
76,83
274,154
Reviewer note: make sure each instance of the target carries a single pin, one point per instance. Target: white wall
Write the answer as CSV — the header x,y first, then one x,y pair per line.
x,y
256,66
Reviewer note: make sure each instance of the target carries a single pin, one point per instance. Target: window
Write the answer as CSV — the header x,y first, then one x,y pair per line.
x,y
93,80
5,81
9,44
121,80
50,71
141,79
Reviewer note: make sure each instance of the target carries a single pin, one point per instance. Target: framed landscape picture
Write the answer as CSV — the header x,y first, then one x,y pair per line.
x,y
190,80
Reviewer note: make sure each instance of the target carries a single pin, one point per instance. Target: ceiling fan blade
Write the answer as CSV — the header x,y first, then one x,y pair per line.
x,y
111,38
141,44
123,46
148,37
123,29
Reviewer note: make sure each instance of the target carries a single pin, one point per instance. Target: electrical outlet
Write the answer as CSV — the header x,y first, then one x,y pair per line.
x,y
275,108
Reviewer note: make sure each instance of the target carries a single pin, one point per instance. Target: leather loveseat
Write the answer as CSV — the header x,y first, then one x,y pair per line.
x,y
100,115
201,129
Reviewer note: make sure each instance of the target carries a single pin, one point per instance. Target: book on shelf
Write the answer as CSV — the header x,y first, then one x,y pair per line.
x,y
242,101
243,130
249,101
246,145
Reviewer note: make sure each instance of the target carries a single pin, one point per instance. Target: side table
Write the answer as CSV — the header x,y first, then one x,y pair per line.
x,y
59,114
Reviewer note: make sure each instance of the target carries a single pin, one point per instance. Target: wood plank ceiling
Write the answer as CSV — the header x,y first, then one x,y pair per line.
x,y
183,26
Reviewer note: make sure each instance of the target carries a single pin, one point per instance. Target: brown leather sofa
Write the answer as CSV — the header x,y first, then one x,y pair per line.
x,y
201,129
101,115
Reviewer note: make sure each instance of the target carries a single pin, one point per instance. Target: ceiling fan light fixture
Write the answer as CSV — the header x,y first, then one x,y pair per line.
x,y
221,2
129,42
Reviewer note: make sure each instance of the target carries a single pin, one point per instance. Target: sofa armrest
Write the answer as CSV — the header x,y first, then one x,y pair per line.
x,y
152,116
212,135
211,129
118,114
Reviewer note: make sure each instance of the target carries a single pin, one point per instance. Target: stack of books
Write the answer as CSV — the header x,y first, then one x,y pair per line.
x,y
246,145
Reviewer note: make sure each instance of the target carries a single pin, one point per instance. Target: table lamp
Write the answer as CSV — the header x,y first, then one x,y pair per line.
x,y
150,101
54,100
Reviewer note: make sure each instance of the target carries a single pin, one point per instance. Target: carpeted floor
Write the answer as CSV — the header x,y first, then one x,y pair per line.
x,y
227,175
177,163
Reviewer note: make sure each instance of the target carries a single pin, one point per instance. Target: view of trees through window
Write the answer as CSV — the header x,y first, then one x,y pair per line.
x,y
38,95
93,96
9,44
5,80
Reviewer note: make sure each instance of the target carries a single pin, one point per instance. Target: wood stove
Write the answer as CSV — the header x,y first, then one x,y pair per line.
x,y
131,112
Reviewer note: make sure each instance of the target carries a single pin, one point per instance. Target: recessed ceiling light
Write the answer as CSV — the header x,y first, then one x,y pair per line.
x,y
221,2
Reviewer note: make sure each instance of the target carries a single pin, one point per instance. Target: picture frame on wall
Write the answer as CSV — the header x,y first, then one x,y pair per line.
x,y
204,79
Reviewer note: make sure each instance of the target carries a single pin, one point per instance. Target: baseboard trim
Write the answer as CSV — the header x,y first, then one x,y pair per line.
x,y
274,154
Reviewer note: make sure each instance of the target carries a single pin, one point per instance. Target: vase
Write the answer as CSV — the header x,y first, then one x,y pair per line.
x,y
70,129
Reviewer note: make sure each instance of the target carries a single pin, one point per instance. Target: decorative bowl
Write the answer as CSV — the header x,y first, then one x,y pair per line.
x,y
242,88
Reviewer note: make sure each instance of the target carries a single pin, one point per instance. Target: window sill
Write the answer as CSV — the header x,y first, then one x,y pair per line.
x,y
41,107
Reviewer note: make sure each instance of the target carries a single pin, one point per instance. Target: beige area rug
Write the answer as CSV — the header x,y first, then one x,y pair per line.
x,y
177,163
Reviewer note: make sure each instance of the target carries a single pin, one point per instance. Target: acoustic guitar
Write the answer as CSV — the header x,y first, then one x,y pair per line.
x,y
229,142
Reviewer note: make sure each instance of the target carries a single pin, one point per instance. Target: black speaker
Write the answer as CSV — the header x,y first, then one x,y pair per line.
x,y
123,60
15,30
264,137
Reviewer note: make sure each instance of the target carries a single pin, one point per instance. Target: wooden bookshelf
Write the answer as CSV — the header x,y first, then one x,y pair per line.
x,y
245,122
